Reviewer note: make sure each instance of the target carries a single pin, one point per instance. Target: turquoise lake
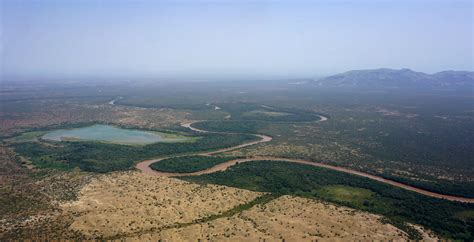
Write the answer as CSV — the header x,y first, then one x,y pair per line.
x,y
105,133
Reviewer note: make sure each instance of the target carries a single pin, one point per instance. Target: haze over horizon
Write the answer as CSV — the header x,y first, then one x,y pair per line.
x,y
231,39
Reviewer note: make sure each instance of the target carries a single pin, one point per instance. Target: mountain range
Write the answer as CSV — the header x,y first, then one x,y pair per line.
x,y
403,78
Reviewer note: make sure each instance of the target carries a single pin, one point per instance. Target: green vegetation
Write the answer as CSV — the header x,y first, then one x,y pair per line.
x,y
102,157
401,142
466,216
396,204
27,137
259,112
457,188
230,126
251,117
347,194
187,164
422,138
166,100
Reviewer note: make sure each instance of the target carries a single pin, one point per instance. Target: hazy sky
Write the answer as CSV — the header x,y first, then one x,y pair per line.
x,y
231,39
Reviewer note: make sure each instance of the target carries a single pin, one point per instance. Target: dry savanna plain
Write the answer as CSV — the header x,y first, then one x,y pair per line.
x,y
78,189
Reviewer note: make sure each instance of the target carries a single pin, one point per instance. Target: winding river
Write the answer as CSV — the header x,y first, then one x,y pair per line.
x,y
145,165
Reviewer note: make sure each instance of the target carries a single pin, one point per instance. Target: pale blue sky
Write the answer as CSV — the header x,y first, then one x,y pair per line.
x,y
231,39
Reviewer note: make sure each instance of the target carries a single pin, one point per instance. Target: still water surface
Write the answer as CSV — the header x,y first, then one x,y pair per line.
x,y
105,133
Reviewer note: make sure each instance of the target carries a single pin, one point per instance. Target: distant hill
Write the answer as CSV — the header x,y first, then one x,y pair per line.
x,y
404,78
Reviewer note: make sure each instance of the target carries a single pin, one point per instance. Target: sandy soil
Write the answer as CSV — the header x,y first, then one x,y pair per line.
x,y
289,218
141,207
131,202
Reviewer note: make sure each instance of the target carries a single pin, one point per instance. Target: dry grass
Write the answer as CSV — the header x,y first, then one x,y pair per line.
x,y
141,207
289,218
137,206
128,203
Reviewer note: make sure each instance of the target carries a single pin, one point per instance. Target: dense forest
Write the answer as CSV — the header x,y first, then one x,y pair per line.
x,y
187,164
251,117
449,219
230,126
401,146
102,157
259,112
463,189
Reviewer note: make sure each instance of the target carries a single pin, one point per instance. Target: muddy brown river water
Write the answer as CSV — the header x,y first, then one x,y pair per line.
x,y
145,165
